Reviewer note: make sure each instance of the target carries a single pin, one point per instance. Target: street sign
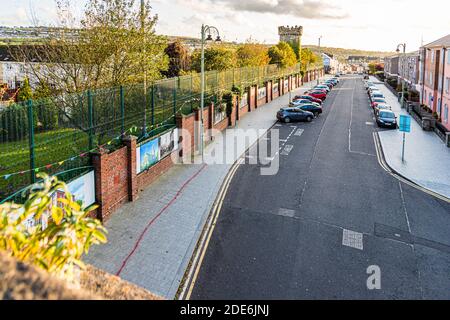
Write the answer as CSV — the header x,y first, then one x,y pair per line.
x,y
404,126
405,123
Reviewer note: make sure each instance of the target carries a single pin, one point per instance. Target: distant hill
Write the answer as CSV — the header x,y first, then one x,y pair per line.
x,y
343,54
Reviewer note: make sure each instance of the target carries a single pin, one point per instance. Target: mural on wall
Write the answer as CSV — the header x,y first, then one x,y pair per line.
x,y
149,154
275,87
262,93
168,143
244,100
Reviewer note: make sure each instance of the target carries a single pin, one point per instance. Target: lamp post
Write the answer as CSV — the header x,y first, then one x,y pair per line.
x,y
320,56
403,70
205,30
144,127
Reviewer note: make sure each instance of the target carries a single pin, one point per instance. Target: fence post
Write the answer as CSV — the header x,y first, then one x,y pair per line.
x,y
153,106
31,140
174,98
91,120
122,110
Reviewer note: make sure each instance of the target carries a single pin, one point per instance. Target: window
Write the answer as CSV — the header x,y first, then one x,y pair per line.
x,y
431,78
432,56
439,106
446,114
448,56
447,85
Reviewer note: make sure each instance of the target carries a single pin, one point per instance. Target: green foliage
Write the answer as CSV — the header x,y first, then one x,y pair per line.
x,y
283,55
217,58
59,247
308,58
228,99
179,59
25,92
252,55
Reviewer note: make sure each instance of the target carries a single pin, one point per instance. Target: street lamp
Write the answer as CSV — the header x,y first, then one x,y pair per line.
x,y
320,56
401,77
206,36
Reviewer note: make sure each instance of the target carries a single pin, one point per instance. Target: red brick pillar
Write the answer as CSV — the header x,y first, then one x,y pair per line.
x,y
185,124
268,91
233,115
131,142
100,183
251,98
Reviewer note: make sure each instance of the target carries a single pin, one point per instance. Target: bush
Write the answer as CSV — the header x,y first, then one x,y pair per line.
x,y
58,247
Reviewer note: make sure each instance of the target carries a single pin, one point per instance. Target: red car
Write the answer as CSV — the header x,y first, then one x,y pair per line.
x,y
377,101
310,98
318,94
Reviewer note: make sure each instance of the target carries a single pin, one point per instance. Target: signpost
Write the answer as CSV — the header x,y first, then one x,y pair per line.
x,y
405,126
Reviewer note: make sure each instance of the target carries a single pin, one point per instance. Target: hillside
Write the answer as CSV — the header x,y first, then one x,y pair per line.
x,y
343,54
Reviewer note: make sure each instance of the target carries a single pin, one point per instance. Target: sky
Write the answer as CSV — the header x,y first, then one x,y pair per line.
x,y
357,24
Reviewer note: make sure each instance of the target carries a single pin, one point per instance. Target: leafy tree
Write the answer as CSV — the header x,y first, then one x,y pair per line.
x,y
179,59
372,68
59,247
25,92
283,55
308,58
252,55
217,57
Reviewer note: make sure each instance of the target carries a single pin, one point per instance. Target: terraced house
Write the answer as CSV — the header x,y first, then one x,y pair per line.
x,y
435,78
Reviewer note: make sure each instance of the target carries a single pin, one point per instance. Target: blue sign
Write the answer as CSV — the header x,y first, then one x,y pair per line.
x,y
405,123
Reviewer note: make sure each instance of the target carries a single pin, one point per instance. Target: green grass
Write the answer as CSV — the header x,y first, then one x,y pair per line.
x,y
50,147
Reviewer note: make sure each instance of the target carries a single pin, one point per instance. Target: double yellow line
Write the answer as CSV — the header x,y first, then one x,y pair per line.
x,y
202,246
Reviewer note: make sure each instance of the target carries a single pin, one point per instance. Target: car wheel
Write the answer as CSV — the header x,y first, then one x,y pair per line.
x,y
309,119
316,114
287,120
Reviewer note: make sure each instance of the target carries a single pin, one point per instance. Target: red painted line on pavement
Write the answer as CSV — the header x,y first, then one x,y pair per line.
x,y
136,245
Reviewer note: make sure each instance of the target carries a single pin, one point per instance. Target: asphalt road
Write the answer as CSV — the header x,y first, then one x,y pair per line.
x,y
282,236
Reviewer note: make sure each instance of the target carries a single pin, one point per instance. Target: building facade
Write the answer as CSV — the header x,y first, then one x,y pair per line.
x,y
435,78
391,66
408,70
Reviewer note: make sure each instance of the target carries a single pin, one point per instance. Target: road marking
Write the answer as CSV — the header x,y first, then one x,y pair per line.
x,y
370,123
283,140
287,149
286,213
299,132
404,206
352,239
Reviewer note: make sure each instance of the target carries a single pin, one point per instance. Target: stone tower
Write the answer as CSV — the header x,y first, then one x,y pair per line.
x,y
292,35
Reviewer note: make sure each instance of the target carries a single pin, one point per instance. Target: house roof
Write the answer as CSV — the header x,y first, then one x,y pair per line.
x,y
442,42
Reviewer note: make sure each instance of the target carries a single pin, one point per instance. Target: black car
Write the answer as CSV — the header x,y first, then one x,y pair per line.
x,y
314,109
294,114
386,118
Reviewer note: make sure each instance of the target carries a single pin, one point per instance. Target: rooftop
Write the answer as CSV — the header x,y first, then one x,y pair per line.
x,y
442,42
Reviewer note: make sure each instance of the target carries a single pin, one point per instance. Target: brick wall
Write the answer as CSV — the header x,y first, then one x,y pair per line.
x,y
262,101
111,181
116,179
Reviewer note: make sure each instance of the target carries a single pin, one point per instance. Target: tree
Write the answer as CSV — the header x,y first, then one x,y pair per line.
x,y
59,247
116,45
217,57
372,68
283,55
25,92
252,55
308,58
179,59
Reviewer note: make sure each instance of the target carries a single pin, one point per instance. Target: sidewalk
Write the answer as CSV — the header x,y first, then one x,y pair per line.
x,y
151,241
427,159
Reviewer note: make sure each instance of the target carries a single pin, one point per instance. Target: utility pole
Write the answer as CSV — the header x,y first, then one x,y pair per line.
x,y
403,71
320,56
205,29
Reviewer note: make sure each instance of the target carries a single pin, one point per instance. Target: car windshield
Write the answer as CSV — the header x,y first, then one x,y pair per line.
x,y
387,115
380,100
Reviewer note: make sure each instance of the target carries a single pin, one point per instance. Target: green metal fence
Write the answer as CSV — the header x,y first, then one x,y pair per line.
x,y
56,135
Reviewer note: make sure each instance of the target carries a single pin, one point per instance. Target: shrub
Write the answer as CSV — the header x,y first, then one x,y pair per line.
x,y
58,247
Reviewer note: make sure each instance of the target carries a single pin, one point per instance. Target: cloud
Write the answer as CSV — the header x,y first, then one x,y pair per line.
x,y
309,9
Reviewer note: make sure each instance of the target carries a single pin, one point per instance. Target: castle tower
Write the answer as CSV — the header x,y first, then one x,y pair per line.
x,y
293,36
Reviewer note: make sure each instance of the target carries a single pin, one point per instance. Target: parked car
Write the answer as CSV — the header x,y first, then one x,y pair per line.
x,y
324,87
372,88
368,84
386,118
328,84
294,114
318,94
366,77
376,95
310,98
313,108
303,101
378,101
380,107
